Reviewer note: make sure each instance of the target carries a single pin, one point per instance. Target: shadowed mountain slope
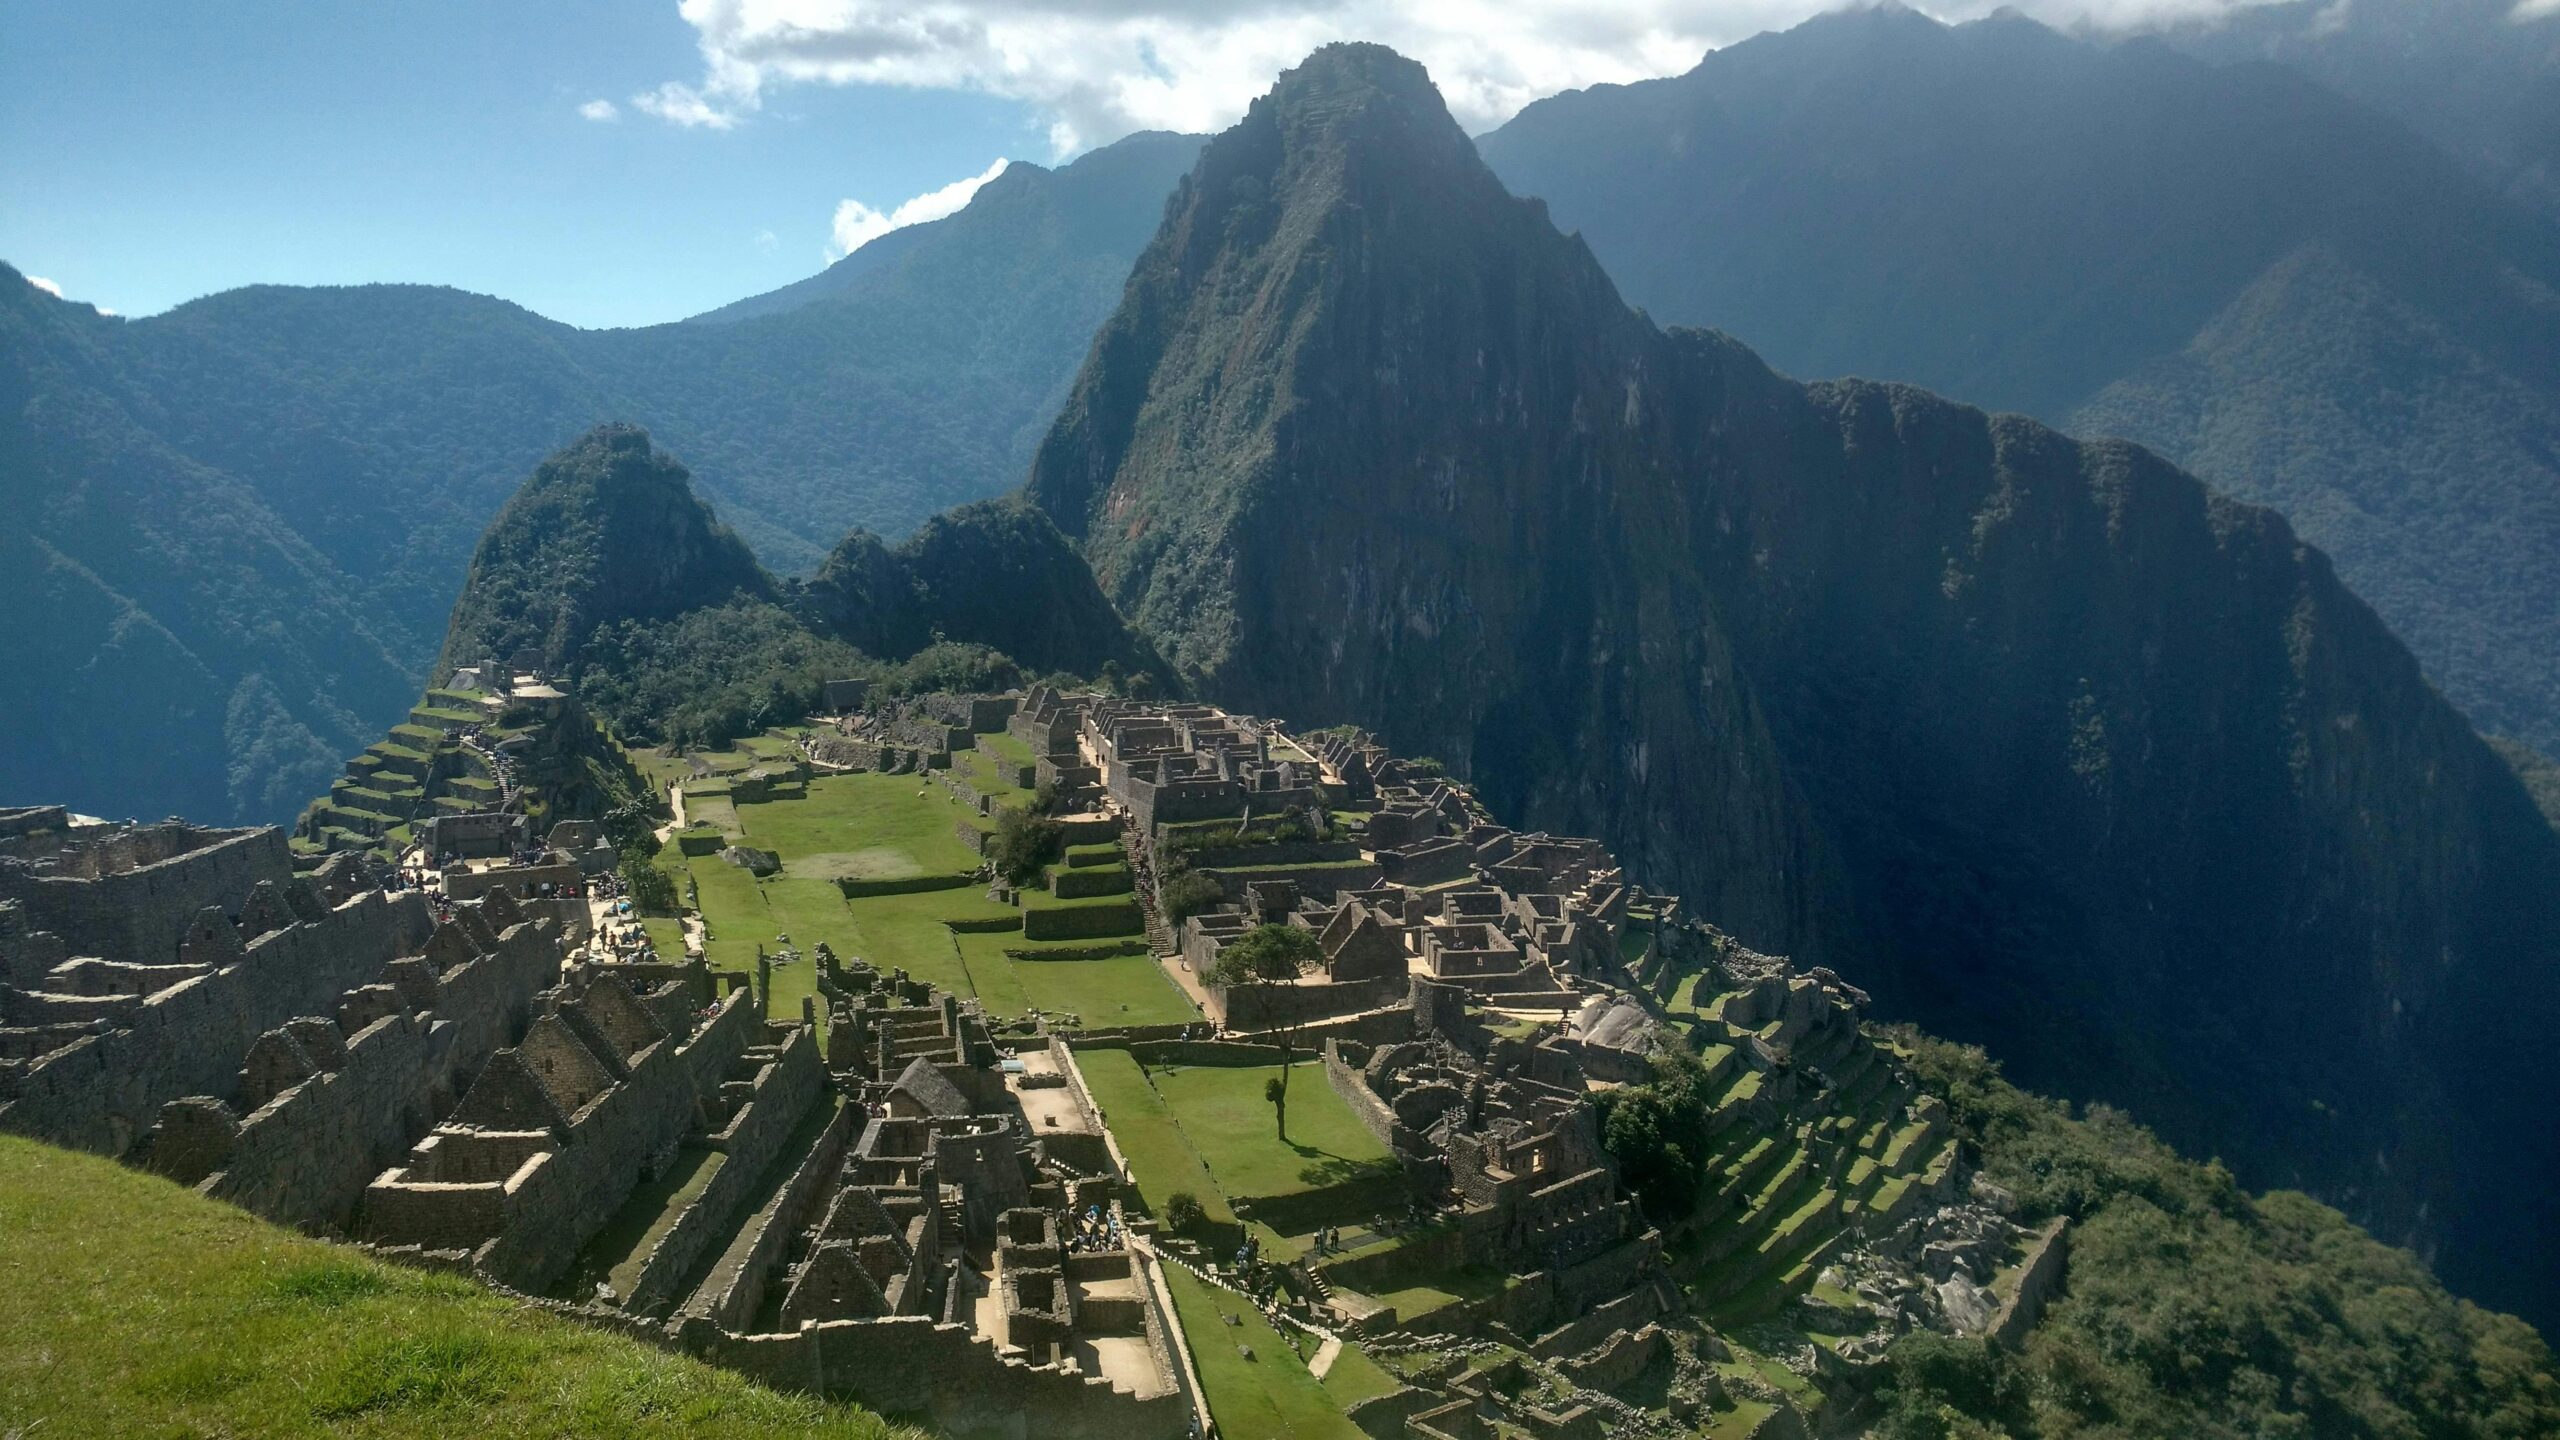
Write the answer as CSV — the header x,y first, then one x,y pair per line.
x,y
2046,743
2288,293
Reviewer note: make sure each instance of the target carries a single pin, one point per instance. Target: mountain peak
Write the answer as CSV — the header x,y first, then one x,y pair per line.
x,y
608,528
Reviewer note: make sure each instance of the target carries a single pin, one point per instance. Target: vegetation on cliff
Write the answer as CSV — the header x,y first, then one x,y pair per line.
x,y
2196,1310
607,531
248,515
610,568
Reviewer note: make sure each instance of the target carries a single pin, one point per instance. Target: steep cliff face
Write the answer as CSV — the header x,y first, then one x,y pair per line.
x,y
2049,745
608,529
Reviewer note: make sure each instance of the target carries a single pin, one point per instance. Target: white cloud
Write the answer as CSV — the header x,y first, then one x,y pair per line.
x,y
2534,10
767,241
857,224
45,285
600,110
683,105
1098,69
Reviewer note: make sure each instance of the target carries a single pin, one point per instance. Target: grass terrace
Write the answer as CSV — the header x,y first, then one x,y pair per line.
x,y
1256,1383
1207,1129
1223,1111
193,1318
1413,1276
871,827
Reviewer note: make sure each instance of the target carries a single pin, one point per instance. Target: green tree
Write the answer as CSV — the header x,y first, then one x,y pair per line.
x,y
651,890
1187,893
1271,955
1659,1132
1024,843
1182,1211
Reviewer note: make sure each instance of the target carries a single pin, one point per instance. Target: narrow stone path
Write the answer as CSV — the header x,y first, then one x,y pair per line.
x,y
1325,1356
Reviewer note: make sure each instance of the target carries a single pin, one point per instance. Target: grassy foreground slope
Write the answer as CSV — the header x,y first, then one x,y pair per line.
x,y
138,1309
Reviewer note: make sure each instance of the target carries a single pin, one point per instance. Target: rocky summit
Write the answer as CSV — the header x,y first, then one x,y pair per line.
x,y
2045,742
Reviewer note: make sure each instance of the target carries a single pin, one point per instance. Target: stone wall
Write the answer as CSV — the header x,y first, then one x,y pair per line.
x,y
102,1093
2038,1279
1319,881
729,1302
910,1365
1342,1072
1081,922
1266,1007
305,1157
140,913
785,1089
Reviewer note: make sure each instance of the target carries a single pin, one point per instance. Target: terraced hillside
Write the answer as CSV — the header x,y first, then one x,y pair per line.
x,y
1837,1142
460,752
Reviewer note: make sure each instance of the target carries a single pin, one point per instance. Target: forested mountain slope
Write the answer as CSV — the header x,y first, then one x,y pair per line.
x,y
2290,294
258,506
2046,743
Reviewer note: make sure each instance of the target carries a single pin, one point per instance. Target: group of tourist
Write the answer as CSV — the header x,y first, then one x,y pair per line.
x,y
1095,1230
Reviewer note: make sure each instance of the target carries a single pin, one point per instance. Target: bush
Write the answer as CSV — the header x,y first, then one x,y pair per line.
x,y
1187,894
1182,1212
651,890
1024,843
1659,1132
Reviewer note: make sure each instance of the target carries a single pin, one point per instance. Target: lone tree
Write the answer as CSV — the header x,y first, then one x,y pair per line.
x,y
1271,955
1025,843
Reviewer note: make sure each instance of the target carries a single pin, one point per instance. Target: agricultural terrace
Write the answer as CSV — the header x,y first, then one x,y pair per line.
x,y
1258,1380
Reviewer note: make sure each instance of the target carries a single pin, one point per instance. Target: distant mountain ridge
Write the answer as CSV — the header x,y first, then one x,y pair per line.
x,y
2044,742
2481,78
2292,295
253,511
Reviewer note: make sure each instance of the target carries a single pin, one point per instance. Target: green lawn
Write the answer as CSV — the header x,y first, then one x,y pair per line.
x,y
1116,990
1223,1112
1161,1160
910,931
877,826
1396,1273
666,935
1267,1396
858,818
136,1308
988,774
1355,1377
1005,747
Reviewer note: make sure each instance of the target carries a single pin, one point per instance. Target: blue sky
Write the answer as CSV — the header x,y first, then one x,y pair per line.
x,y
633,162
152,153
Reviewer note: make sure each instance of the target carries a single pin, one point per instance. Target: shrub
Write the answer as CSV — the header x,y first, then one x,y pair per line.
x,y
650,889
1187,894
1023,843
1182,1211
